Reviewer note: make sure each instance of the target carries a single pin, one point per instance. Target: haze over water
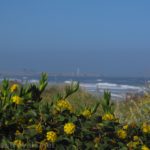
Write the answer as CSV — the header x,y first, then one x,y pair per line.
x,y
110,38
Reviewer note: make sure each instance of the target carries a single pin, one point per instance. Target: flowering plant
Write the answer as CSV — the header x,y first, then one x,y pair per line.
x,y
28,121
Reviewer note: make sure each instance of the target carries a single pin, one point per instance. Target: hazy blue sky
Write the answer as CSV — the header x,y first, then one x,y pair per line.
x,y
108,37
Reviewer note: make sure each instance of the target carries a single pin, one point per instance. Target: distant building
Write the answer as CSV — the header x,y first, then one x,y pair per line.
x,y
78,72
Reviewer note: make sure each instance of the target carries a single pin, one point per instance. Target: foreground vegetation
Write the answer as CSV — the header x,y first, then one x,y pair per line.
x,y
133,110
33,116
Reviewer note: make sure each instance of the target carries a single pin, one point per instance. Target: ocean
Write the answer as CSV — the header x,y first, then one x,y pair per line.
x,y
118,86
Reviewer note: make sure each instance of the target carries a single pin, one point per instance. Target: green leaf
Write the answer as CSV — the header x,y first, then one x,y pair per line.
x,y
70,89
94,109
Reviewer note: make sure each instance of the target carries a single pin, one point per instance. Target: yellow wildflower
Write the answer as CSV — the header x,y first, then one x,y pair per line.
x,y
132,145
87,113
17,100
69,128
125,127
51,136
144,147
108,117
136,138
17,132
121,134
14,87
38,128
64,104
146,128
18,143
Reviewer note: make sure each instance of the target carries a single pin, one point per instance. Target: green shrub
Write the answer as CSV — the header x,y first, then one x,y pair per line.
x,y
27,121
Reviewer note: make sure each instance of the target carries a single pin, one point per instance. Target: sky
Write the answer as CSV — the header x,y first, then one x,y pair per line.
x,y
110,38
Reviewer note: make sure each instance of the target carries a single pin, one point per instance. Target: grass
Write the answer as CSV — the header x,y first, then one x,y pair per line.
x,y
80,98
134,110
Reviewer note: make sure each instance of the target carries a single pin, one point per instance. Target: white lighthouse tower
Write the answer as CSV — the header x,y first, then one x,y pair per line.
x,y
78,72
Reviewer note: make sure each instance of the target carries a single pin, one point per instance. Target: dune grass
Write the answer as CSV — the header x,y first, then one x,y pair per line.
x,y
134,110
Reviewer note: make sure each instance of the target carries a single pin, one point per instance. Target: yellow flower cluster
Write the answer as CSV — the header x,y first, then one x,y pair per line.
x,y
136,138
87,113
146,128
121,134
14,87
125,127
18,143
64,104
133,144
144,147
69,128
51,136
108,117
17,132
17,100
38,128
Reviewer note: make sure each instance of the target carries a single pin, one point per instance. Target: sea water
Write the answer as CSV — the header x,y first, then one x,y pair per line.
x,y
118,86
